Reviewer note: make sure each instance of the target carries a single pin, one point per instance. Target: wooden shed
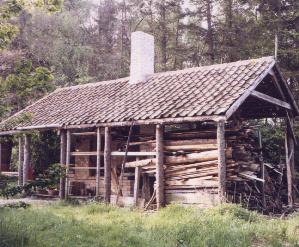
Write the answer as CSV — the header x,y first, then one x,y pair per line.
x,y
175,137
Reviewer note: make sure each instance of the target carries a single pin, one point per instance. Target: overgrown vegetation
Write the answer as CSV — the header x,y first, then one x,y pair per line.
x,y
102,225
49,179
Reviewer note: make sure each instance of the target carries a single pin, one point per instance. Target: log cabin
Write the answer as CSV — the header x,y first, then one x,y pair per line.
x,y
156,138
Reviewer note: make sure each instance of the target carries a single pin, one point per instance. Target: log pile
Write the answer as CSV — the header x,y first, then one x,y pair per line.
x,y
191,167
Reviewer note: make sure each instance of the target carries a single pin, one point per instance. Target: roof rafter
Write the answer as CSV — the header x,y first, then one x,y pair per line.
x,y
271,99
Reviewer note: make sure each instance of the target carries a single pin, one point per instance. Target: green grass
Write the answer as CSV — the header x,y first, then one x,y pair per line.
x,y
101,225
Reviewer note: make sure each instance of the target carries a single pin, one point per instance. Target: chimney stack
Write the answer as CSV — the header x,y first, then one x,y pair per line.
x,y
142,57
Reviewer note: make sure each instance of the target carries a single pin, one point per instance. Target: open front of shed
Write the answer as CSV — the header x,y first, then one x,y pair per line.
x,y
157,138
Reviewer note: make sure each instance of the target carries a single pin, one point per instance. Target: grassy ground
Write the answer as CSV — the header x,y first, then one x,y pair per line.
x,y
101,225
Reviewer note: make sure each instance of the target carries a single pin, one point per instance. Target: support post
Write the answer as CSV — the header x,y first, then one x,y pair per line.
x,y
159,166
0,157
146,194
26,163
62,162
107,165
289,148
99,145
221,161
262,168
136,185
21,160
67,161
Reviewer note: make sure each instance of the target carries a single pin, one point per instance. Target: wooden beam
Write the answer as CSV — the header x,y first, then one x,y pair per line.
x,y
107,165
62,162
91,153
289,149
235,106
159,166
136,185
99,145
290,125
262,167
271,99
85,134
148,122
67,161
21,160
221,161
26,163
116,153
0,157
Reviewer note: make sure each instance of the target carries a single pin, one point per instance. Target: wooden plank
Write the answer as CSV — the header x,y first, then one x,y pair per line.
x,y
271,99
85,134
62,162
84,153
82,168
98,168
221,160
107,165
21,160
67,161
26,163
136,185
114,153
159,166
117,153
198,147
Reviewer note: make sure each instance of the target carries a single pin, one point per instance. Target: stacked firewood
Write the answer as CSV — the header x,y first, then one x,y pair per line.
x,y
191,165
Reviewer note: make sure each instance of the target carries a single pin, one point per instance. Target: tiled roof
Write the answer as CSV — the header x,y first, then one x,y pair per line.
x,y
201,91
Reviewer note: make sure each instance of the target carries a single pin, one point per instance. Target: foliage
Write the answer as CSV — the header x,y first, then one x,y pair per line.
x,y
105,225
49,179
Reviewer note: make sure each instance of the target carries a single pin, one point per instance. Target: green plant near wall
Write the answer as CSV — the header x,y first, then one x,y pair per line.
x,y
49,179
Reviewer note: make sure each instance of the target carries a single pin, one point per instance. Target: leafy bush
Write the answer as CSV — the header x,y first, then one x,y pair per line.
x,y
49,179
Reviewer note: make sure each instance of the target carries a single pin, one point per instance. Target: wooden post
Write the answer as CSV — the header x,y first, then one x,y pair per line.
x,y
99,145
67,161
107,165
21,160
262,168
26,163
0,157
221,161
62,162
159,166
136,185
289,148
146,193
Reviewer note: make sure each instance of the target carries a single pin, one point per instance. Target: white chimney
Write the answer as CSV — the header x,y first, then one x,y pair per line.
x,y
142,57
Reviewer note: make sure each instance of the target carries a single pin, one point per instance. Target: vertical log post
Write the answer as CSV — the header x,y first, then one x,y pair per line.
x,y
21,160
62,162
107,165
26,163
99,145
262,168
289,148
0,157
146,193
136,185
221,161
159,166
67,161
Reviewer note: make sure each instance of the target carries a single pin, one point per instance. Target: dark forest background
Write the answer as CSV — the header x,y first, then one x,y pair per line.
x,y
47,44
